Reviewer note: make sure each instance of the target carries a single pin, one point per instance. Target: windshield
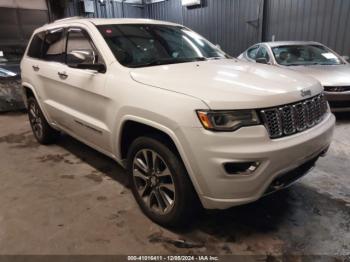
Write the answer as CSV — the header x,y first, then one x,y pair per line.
x,y
11,54
140,45
295,55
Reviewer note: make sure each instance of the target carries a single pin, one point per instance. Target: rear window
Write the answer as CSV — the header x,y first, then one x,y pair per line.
x,y
35,47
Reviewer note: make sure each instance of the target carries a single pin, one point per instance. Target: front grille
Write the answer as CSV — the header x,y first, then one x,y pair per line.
x,y
290,119
337,88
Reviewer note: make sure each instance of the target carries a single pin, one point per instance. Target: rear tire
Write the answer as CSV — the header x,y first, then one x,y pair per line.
x,y
160,183
42,131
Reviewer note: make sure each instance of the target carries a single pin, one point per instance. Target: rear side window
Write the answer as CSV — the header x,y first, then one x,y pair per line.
x,y
54,46
35,47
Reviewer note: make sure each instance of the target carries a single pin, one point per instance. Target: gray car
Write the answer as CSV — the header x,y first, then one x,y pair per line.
x,y
311,58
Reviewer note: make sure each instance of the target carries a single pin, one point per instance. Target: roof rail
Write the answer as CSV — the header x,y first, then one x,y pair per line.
x,y
68,18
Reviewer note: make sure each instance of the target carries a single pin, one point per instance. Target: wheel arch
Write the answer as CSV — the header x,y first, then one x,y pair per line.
x,y
132,129
145,127
29,91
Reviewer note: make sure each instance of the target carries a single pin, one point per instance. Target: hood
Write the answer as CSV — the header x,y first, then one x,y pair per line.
x,y
336,75
229,84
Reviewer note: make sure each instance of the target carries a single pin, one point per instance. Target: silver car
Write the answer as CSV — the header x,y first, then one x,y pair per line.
x,y
311,58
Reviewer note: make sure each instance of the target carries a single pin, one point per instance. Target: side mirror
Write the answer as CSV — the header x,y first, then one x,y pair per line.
x,y
261,60
218,46
101,68
84,59
80,56
346,58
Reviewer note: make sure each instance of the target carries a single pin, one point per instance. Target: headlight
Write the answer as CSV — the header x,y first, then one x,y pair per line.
x,y
227,120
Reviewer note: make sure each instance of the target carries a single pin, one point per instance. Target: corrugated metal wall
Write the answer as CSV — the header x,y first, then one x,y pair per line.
x,y
225,21
233,24
325,21
18,21
237,24
167,11
109,9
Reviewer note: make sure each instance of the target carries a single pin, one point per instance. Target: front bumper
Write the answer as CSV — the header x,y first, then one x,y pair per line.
x,y
207,151
339,101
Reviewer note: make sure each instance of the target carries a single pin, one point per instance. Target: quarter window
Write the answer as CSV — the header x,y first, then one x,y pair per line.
x,y
36,45
54,46
252,52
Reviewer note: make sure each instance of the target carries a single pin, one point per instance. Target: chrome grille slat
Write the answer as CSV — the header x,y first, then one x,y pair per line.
x,y
289,119
309,113
300,116
272,116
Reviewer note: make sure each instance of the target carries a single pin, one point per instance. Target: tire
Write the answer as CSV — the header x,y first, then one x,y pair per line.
x,y
173,188
42,131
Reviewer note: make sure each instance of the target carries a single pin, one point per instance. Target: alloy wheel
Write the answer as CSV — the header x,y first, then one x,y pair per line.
x,y
154,181
35,120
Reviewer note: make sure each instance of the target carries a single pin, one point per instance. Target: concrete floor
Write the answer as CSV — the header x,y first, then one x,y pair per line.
x,y
70,199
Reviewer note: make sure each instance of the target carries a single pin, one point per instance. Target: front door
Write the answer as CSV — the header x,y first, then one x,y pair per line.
x,y
84,94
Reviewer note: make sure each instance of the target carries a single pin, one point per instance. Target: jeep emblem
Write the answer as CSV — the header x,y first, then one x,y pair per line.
x,y
305,92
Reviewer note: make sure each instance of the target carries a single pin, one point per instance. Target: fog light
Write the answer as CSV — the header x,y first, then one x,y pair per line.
x,y
241,168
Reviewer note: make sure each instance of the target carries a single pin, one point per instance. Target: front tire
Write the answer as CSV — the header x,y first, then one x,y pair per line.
x,y
42,131
160,183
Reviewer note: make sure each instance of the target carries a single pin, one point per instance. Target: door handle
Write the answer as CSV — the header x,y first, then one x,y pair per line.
x,y
36,68
63,75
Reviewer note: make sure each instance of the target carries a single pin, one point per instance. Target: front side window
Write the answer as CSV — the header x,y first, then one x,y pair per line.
x,y
139,45
54,46
295,55
80,49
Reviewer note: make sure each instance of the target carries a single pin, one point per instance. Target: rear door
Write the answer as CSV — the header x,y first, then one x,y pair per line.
x,y
31,64
51,63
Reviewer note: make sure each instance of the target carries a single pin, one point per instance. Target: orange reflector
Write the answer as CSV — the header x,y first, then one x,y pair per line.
x,y
203,117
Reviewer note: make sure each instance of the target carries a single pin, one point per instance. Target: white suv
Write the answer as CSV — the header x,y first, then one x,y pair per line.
x,y
191,124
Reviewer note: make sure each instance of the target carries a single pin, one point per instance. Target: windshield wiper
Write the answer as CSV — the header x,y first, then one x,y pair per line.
x,y
315,63
326,64
308,64
294,64
216,58
200,58
169,61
